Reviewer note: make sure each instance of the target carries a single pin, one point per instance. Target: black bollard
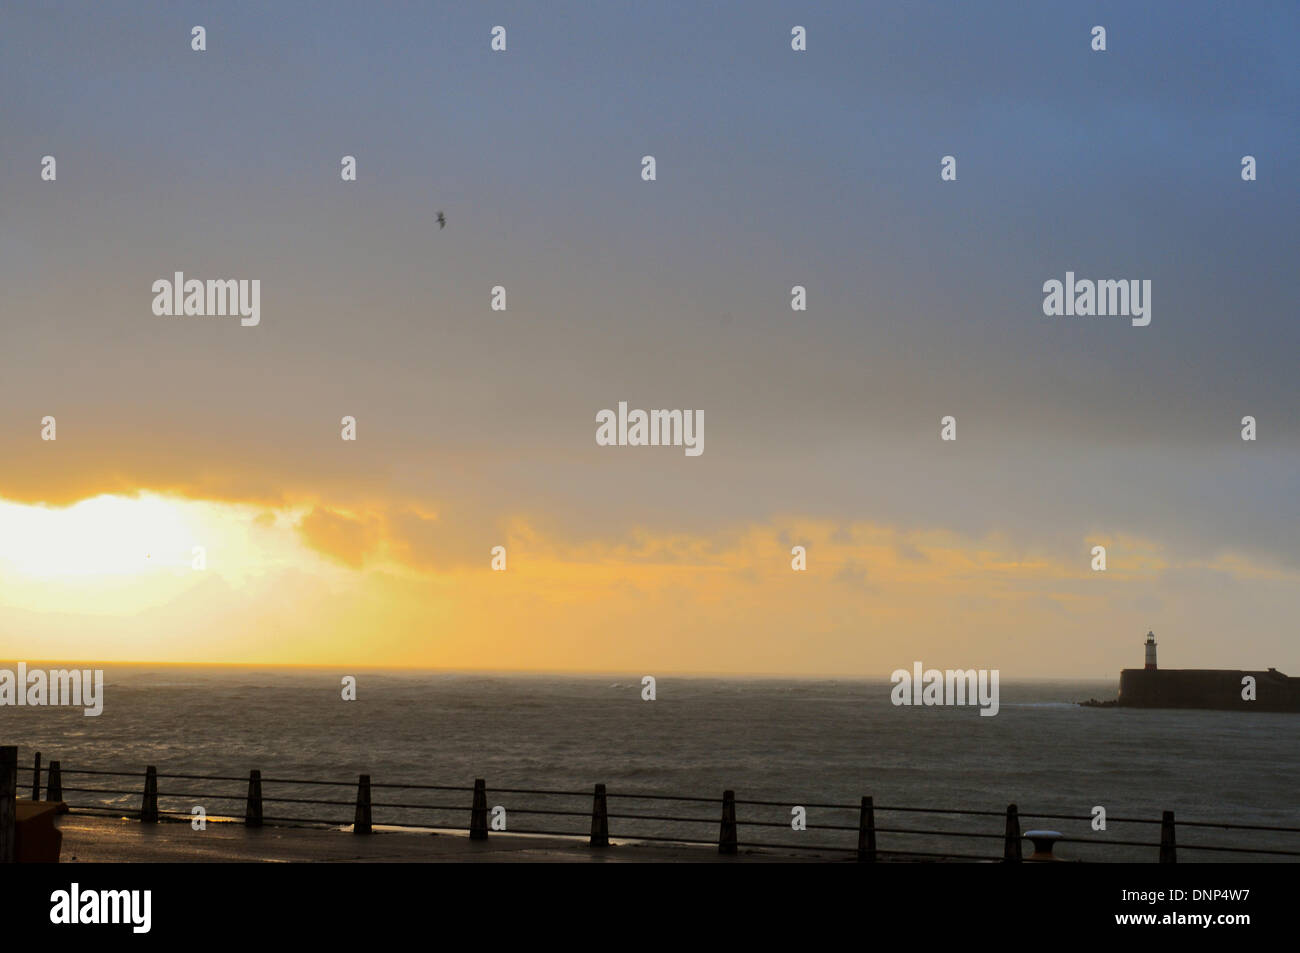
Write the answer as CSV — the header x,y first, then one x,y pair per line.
x,y
253,809
149,804
727,830
1011,846
8,806
1168,849
599,819
54,782
867,831
361,820
478,823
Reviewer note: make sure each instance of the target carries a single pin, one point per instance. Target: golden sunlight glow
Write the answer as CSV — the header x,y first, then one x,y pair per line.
x,y
103,536
120,556
114,577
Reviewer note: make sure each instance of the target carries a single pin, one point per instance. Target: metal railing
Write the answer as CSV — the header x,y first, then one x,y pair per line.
x,y
634,816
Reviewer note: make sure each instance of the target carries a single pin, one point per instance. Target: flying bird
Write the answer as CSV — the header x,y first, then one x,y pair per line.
x,y
442,220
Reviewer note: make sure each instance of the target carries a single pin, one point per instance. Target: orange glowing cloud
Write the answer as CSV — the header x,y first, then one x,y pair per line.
x,y
407,585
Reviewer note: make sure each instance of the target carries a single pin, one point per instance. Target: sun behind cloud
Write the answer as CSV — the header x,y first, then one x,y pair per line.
x,y
103,536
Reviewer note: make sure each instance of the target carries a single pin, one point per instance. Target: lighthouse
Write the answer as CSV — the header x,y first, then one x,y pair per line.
x,y
1151,651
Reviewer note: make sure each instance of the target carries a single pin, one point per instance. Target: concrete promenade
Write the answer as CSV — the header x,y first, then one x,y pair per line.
x,y
94,839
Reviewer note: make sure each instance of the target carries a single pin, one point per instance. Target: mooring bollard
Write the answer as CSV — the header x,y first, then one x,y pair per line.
x,y
1011,844
8,805
478,823
599,819
1044,841
253,809
36,778
361,820
727,830
1168,849
149,805
867,831
54,783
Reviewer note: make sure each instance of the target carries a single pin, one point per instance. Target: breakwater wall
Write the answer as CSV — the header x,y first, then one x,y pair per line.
x,y
1207,688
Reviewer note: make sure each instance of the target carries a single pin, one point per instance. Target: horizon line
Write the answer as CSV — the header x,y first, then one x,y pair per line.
x,y
676,673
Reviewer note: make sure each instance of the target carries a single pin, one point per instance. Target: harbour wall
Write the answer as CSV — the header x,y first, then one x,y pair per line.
x,y
1207,688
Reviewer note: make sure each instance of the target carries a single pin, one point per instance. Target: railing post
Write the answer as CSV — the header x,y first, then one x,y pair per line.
x,y
1168,850
727,830
253,809
36,778
361,820
478,824
1011,846
149,806
54,783
599,819
8,795
867,832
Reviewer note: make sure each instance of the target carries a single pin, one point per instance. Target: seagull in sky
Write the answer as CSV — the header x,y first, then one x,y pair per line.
x,y
442,220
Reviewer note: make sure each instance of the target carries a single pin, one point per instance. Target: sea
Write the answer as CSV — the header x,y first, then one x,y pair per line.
x,y
783,746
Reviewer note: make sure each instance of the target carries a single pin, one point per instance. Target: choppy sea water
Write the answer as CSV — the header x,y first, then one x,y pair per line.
x,y
795,743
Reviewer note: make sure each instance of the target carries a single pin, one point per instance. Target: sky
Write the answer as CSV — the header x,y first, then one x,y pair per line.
x,y
475,428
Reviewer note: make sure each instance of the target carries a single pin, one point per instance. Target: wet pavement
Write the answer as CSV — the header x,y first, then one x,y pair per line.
x,y
95,839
